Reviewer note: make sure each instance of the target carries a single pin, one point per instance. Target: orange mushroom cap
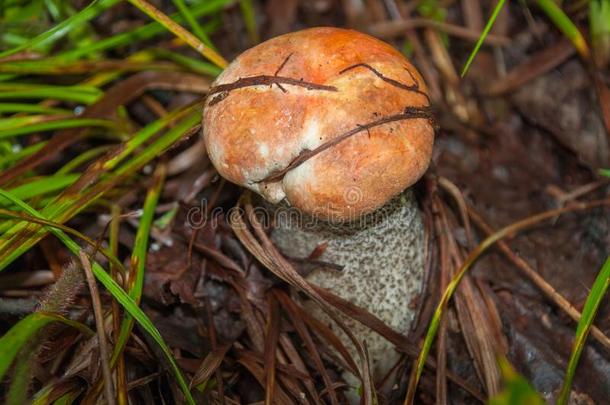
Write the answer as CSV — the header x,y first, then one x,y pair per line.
x,y
332,120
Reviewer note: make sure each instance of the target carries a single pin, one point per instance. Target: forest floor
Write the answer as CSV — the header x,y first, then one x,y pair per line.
x,y
525,131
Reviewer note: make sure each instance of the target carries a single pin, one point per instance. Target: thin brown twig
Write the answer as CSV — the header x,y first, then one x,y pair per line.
x,y
457,196
223,90
398,27
408,87
101,332
563,197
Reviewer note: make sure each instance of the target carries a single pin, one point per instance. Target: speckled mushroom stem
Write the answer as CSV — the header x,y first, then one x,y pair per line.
x,y
382,255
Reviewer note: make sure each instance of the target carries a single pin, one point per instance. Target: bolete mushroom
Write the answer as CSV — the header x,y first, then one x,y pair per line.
x,y
335,124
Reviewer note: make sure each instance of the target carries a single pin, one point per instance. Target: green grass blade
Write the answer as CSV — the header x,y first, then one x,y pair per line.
x,y
26,120
121,296
17,336
599,27
565,25
135,282
67,399
163,143
56,124
24,330
21,237
30,108
6,160
517,390
192,22
192,64
145,134
39,187
43,396
60,68
91,11
142,33
140,248
50,224
249,16
484,34
82,158
180,32
79,94
594,299
20,377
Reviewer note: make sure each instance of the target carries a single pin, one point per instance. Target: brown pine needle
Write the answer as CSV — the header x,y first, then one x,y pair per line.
x,y
99,322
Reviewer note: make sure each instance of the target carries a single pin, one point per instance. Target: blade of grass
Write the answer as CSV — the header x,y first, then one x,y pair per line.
x,y
113,244
39,186
102,78
79,94
566,26
62,68
484,34
20,377
180,32
193,64
192,22
25,120
56,124
135,279
599,26
91,11
82,159
517,390
20,238
143,135
70,231
142,33
20,154
24,330
30,108
135,282
122,297
594,299
249,15
45,394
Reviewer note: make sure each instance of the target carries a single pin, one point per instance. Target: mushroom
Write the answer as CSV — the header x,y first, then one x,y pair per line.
x,y
334,125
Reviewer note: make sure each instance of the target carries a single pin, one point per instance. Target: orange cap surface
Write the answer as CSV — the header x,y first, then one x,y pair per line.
x,y
332,120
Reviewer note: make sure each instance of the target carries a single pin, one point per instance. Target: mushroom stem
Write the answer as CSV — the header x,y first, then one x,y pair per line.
x,y
382,256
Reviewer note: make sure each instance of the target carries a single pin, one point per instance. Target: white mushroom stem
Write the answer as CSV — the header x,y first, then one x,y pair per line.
x,y
382,255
